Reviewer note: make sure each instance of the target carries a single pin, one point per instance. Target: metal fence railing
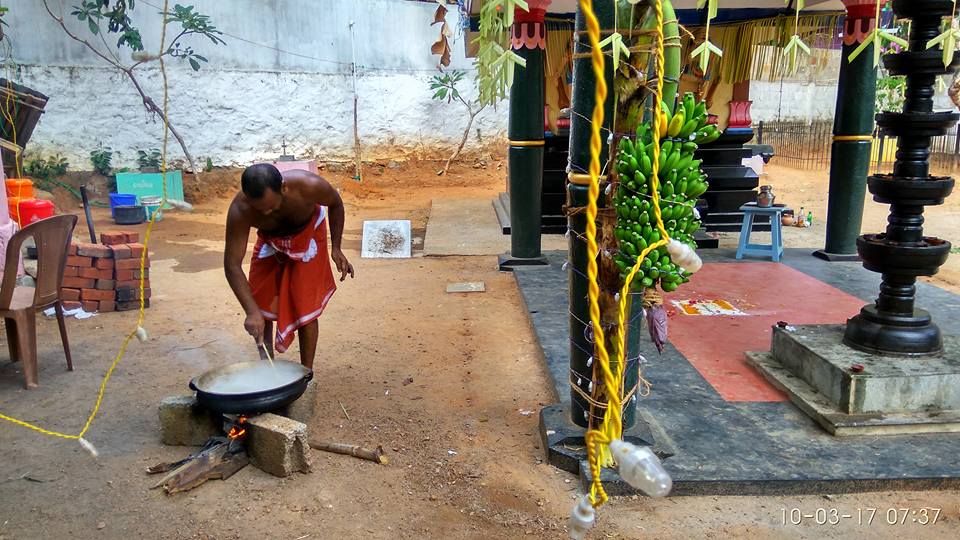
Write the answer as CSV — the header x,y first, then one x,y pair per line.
x,y
806,145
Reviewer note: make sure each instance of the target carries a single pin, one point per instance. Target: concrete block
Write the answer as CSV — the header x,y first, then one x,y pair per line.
x,y
881,384
278,445
184,423
303,409
85,249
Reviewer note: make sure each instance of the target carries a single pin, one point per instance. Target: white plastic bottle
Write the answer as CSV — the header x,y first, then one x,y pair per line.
x,y
581,518
641,468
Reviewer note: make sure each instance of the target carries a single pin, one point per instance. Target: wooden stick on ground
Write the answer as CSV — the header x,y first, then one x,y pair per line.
x,y
377,455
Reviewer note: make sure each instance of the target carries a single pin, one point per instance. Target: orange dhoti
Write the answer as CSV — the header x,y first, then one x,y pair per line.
x,y
291,278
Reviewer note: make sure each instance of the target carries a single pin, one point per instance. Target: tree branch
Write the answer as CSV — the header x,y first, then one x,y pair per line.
x,y
466,134
148,102
79,39
152,106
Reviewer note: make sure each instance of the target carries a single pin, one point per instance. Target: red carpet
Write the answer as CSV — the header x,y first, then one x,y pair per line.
x,y
767,293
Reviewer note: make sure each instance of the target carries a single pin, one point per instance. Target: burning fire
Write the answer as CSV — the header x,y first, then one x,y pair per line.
x,y
237,430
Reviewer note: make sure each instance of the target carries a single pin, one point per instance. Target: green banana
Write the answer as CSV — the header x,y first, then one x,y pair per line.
x,y
689,105
688,129
666,148
645,166
700,114
676,124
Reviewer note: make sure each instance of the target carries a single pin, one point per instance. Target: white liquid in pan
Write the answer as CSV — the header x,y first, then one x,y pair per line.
x,y
260,376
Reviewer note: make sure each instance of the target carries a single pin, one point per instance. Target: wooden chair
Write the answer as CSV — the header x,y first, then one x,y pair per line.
x,y
19,305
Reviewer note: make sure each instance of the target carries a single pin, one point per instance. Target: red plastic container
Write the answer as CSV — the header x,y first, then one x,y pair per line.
x,y
34,210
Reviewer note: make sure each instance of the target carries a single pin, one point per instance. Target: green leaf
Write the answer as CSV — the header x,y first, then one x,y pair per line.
x,y
194,64
867,41
443,93
93,26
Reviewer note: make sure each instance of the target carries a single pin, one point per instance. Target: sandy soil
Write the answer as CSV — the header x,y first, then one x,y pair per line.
x,y
466,461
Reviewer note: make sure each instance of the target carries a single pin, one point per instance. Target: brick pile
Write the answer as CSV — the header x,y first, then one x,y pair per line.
x,y
106,276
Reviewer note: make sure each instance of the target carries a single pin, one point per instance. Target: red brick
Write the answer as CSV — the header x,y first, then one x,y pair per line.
x,y
130,294
81,262
72,250
78,283
91,306
133,284
131,237
70,294
97,294
93,250
90,273
112,238
121,251
123,275
107,305
146,273
131,264
136,250
104,264
70,304
106,284
128,306
71,271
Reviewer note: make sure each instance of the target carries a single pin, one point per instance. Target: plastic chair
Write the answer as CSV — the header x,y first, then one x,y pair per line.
x,y
19,305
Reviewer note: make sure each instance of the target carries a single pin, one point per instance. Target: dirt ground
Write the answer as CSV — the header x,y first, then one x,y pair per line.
x,y
462,437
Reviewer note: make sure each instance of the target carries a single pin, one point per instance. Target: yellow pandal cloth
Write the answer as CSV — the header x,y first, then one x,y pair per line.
x,y
559,58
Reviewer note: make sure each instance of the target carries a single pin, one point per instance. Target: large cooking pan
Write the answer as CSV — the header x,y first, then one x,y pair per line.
x,y
251,387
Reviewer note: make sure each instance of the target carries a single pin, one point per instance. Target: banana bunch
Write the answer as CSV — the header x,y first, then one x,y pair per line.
x,y
681,184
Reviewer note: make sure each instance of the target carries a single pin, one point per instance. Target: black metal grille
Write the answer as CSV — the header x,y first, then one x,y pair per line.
x,y
806,145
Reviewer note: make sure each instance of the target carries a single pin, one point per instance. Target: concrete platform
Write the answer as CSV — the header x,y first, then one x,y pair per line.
x,y
851,392
732,431
463,226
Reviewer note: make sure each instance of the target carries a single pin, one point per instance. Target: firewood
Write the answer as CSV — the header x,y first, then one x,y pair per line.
x,y
377,455
217,460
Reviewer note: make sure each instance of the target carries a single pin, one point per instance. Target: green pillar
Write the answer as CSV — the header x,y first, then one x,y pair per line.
x,y
581,348
852,136
525,156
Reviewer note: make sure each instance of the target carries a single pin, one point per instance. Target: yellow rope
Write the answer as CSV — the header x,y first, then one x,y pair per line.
x,y
143,261
597,440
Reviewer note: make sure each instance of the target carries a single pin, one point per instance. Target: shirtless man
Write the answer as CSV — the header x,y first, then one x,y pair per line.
x,y
290,276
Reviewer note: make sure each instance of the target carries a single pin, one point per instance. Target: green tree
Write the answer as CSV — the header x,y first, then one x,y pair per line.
x,y
445,89
111,17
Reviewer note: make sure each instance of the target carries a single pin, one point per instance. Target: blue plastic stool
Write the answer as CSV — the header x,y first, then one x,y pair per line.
x,y
773,250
